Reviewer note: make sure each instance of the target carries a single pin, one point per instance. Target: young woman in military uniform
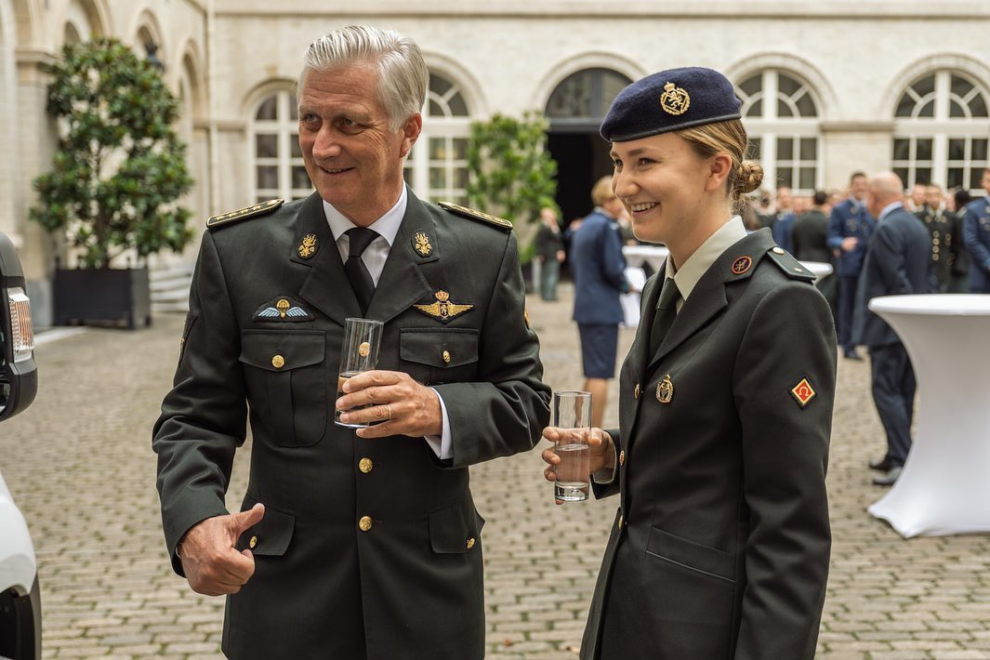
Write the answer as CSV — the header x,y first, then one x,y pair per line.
x,y
720,546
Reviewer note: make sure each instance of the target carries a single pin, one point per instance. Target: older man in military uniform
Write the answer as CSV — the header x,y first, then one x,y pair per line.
x,y
849,229
939,226
349,544
976,236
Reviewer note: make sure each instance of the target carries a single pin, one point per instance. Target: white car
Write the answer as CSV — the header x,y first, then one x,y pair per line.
x,y
20,596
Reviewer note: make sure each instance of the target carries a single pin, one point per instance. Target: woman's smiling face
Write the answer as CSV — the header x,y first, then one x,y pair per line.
x,y
661,180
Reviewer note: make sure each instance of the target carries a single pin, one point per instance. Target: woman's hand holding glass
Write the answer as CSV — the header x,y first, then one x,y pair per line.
x,y
601,450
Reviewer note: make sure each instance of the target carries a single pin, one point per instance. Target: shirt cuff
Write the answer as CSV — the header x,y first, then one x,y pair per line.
x,y
606,475
441,444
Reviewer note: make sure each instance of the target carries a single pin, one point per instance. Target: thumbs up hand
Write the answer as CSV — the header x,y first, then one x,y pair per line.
x,y
210,560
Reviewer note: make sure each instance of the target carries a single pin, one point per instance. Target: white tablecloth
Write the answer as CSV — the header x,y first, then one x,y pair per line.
x,y
945,485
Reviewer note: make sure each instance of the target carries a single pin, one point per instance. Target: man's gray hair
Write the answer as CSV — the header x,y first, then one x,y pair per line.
x,y
402,72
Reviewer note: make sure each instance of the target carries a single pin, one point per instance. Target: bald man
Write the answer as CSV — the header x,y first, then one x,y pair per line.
x,y
898,262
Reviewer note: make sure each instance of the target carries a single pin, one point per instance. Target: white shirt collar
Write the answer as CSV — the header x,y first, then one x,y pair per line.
x,y
687,276
887,209
387,226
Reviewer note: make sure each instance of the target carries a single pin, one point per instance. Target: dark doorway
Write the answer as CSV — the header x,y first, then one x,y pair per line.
x,y
582,158
576,109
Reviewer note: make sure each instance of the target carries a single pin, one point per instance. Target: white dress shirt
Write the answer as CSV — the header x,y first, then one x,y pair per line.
x,y
374,258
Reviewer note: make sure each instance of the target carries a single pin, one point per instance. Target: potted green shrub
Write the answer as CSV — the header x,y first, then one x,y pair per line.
x,y
512,174
115,183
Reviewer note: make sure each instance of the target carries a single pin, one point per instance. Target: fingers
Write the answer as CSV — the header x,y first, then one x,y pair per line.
x,y
551,434
595,437
368,379
245,520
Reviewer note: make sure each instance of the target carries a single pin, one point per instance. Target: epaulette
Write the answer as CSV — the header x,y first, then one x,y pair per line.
x,y
791,266
246,213
475,215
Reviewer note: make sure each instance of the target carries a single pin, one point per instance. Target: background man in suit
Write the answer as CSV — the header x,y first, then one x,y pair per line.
x,y
939,225
809,236
350,544
959,256
849,230
976,236
898,263
549,253
598,267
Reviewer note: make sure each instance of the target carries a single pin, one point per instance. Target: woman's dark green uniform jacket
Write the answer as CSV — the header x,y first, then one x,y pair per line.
x,y
720,547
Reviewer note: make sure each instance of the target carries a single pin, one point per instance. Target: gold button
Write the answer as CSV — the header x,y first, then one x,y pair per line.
x,y
365,465
621,522
254,542
446,357
364,350
622,457
935,240
470,543
278,361
636,391
778,250
364,523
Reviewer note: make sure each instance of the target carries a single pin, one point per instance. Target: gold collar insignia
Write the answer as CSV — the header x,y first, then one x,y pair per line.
x,y
308,247
443,310
421,243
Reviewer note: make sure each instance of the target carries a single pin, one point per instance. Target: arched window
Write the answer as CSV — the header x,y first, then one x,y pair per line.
x,y
941,131
436,168
581,101
782,120
278,169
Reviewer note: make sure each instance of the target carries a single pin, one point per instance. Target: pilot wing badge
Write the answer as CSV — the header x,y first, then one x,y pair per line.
x,y
281,310
443,309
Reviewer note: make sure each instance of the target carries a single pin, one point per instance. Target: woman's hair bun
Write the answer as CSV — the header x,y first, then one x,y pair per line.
x,y
749,176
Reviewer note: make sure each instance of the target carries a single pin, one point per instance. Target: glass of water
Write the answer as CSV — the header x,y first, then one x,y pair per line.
x,y
362,339
572,418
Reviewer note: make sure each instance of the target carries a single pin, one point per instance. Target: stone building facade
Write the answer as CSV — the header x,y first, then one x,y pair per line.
x,y
828,87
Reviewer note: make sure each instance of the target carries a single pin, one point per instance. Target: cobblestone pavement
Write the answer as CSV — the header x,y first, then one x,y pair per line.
x,y
80,465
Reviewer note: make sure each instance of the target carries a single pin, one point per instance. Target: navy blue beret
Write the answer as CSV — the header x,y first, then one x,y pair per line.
x,y
669,101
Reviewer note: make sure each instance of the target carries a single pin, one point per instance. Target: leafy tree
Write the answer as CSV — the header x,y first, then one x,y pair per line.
x,y
120,167
512,173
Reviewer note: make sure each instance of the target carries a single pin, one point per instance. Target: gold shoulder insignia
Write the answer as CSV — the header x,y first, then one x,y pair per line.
x,y
256,211
475,215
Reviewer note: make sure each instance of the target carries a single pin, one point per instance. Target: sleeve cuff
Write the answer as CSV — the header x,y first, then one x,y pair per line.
x,y
441,444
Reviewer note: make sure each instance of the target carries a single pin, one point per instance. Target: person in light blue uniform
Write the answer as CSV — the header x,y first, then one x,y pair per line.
x,y
849,229
976,236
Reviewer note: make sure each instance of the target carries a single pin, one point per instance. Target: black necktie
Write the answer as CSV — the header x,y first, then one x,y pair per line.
x,y
666,313
357,272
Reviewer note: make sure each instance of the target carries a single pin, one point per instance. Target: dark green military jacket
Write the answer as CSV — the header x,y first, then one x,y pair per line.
x,y
407,581
720,548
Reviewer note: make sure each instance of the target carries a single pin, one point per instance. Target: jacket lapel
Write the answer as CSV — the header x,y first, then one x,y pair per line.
x,y
708,298
327,287
402,283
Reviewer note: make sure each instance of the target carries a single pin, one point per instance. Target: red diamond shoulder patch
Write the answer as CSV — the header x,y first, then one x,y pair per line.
x,y
803,392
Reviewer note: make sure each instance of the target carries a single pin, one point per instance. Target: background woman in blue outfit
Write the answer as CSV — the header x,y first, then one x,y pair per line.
x,y
720,546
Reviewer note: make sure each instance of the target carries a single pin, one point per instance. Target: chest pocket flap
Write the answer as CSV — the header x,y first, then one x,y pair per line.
x,y
440,349
287,384
274,350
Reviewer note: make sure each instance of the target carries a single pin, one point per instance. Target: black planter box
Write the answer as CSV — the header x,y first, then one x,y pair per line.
x,y
107,297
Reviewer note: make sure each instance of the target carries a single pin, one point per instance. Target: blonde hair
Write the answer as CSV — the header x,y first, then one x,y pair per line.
x,y
601,192
727,137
